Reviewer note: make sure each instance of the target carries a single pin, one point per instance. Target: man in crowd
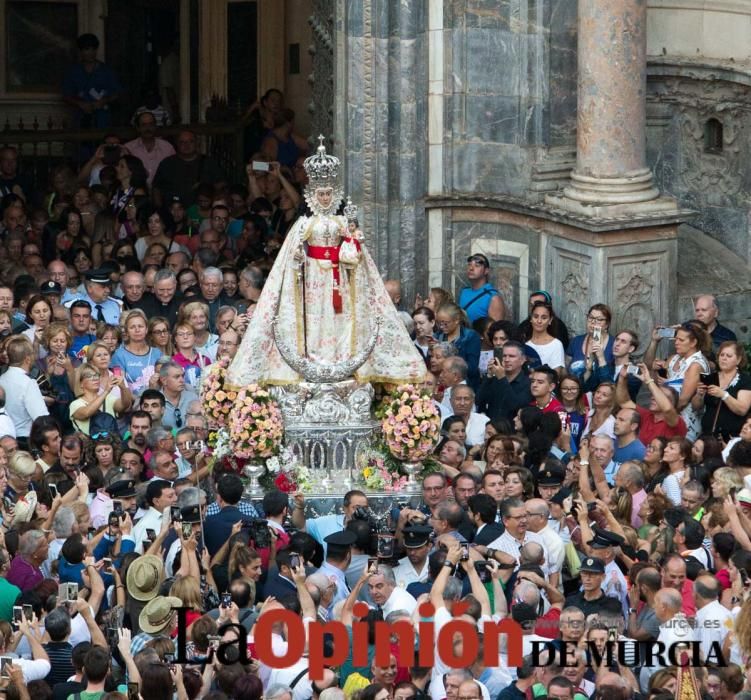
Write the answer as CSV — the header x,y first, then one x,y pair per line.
x,y
506,388
151,149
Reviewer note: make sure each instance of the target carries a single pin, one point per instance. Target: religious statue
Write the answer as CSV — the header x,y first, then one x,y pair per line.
x,y
324,301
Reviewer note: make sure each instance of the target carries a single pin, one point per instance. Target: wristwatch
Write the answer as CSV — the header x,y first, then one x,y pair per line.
x,y
491,553
448,564
632,611
725,396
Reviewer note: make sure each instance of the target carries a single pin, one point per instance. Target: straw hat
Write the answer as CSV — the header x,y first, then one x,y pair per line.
x,y
144,577
157,614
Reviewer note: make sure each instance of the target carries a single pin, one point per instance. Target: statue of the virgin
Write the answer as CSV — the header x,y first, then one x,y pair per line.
x,y
327,299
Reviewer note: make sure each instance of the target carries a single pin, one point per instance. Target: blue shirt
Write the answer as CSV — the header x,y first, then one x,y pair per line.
x,y
92,86
320,528
110,309
634,450
468,346
137,369
476,302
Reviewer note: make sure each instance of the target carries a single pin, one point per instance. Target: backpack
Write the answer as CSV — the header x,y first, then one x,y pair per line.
x,y
102,422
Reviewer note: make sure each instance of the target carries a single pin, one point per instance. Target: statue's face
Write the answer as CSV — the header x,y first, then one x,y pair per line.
x,y
324,196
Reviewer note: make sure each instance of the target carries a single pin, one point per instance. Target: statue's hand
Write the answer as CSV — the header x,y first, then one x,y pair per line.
x,y
299,256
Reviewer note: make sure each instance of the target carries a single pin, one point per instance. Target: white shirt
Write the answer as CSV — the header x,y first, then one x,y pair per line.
x,y
6,425
476,428
509,544
676,630
405,573
399,600
446,400
152,520
556,549
23,399
713,622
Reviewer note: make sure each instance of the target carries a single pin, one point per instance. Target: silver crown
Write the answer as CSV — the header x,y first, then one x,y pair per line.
x,y
322,169
350,210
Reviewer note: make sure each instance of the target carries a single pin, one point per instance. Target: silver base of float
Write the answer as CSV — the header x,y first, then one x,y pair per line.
x,y
327,426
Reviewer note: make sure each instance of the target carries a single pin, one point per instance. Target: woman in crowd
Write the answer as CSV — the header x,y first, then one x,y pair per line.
x,y
110,335
93,397
725,395
159,227
135,357
437,297
600,418
103,451
541,338
519,483
438,353
707,451
724,481
651,512
655,469
449,319
82,259
187,356
500,453
68,235
99,357
424,319
57,340
571,395
454,429
159,336
682,371
38,317
230,282
196,315
597,336
677,455
131,182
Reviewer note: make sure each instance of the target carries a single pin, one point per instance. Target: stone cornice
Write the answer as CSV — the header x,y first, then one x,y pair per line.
x,y
699,69
736,7
544,211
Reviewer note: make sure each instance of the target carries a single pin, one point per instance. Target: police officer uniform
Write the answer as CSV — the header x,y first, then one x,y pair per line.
x,y
107,311
414,536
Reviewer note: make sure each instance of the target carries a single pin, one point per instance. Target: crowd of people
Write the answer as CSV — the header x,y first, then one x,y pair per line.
x,y
592,486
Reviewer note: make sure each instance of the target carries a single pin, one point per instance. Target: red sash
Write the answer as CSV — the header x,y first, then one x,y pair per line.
x,y
331,253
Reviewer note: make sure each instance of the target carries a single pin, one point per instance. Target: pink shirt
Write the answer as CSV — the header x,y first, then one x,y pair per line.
x,y
150,159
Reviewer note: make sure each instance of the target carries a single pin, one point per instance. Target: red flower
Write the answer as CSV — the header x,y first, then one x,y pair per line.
x,y
283,483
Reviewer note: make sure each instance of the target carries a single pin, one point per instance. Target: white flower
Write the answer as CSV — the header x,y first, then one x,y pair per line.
x,y
273,465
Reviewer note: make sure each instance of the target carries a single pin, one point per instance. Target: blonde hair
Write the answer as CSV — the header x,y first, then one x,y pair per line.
x,y
127,316
94,347
189,308
22,464
55,328
188,591
84,369
81,511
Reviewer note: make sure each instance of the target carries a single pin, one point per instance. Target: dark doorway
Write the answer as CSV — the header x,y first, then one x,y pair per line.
x,y
139,35
242,52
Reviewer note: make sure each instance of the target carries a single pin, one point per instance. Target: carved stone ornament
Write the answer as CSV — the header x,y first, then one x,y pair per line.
x,y
339,403
575,285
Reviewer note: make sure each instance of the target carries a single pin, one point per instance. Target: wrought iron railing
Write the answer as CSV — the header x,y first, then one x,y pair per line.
x,y
41,150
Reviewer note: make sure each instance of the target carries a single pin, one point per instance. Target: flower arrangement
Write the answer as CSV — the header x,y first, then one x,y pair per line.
x,y
411,424
379,473
287,473
255,426
217,400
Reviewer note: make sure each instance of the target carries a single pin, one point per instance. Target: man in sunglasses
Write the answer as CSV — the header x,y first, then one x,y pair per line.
x,y
178,398
481,299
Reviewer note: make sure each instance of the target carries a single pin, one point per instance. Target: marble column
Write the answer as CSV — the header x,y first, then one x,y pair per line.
x,y
380,129
611,177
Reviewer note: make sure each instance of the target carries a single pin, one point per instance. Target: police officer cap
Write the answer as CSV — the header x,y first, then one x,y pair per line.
x,y
603,539
592,565
99,276
550,476
126,488
191,514
343,538
50,287
416,535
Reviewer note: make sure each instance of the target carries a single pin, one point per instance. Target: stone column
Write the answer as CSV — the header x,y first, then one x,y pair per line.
x,y
380,129
611,177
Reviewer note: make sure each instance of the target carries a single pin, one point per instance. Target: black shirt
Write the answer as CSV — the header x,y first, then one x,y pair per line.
x,y
501,398
603,604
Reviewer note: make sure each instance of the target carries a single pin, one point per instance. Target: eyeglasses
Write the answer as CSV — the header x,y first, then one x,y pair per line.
x,y
193,413
178,418
597,319
517,517
184,334
160,331
96,436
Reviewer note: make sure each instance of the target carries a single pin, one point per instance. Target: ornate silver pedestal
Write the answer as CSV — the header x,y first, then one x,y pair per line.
x,y
326,425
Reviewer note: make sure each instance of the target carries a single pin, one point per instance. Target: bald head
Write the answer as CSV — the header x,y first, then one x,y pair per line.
x,y
394,289
706,589
670,600
706,310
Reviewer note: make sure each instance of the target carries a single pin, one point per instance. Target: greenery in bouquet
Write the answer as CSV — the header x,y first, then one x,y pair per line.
x,y
411,424
380,471
255,426
216,399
